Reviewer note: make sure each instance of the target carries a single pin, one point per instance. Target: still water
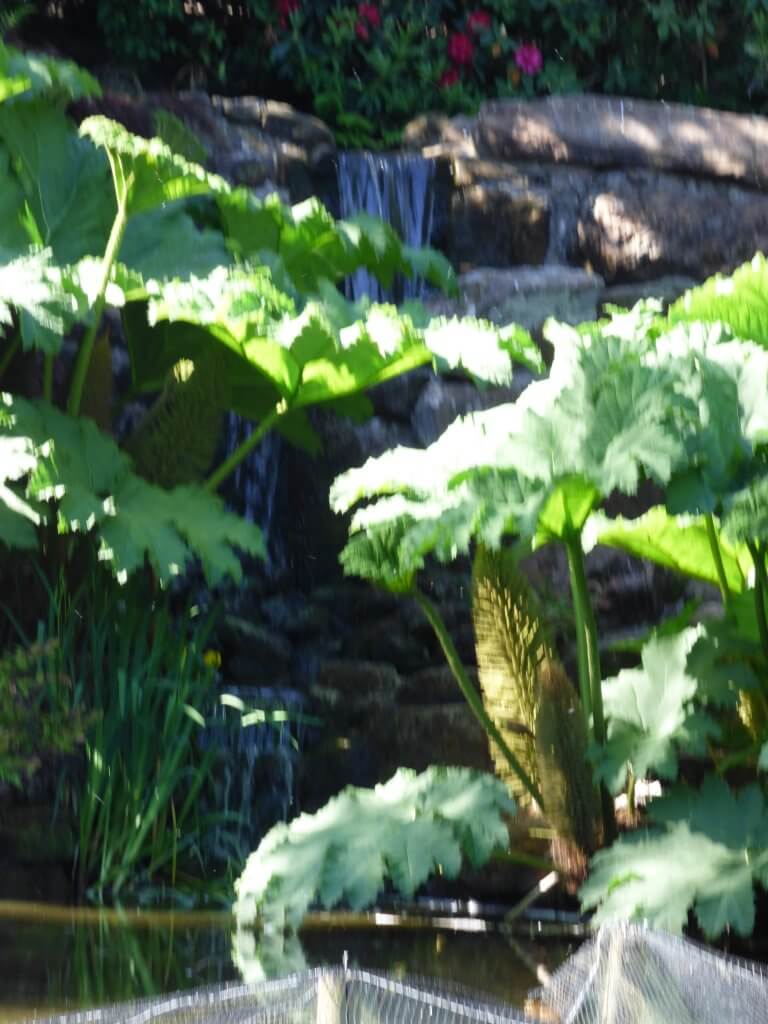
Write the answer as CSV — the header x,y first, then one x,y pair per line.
x,y
55,959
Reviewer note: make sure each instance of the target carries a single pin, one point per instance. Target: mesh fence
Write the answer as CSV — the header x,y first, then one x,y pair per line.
x,y
626,975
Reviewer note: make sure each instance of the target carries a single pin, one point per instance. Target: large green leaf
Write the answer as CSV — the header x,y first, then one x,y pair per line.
x,y
680,543
151,172
24,76
651,712
89,484
739,300
400,831
165,244
18,518
762,761
713,847
48,299
64,180
601,421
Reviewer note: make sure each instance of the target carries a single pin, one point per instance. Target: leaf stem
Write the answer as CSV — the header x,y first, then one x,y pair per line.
x,y
590,681
230,464
8,356
586,638
470,693
107,263
757,551
717,557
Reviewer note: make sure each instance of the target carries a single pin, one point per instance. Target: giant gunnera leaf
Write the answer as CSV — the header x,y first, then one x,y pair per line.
x,y
710,851
400,832
651,712
68,470
739,300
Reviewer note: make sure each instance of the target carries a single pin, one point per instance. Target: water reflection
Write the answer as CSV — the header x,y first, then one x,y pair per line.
x,y
63,959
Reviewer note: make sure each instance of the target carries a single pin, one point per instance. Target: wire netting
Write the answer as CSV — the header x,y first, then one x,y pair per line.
x,y
627,974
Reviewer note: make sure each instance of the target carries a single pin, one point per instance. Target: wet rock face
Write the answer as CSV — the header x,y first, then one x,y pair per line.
x,y
498,224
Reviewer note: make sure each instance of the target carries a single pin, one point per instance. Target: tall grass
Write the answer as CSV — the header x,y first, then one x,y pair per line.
x,y
138,808
136,796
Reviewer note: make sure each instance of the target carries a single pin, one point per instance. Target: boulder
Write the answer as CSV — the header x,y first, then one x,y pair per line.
x,y
443,399
416,736
387,639
253,654
438,130
639,226
529,295
666,289
358,683
346,443
498,224
395,399
279,120
434,685
608,131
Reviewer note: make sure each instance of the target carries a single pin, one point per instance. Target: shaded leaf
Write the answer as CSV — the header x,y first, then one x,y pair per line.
x,y
401,831
680,543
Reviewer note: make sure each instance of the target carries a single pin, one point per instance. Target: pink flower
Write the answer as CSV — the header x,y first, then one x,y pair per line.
x,y
448,78
460,49
361,31
529,59
478,21
370,12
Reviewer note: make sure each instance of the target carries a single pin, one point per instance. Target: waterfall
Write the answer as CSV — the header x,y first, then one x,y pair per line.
x,y
398,188
252,489
256,761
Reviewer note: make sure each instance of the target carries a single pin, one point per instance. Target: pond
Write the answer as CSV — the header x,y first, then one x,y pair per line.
x,y
60,958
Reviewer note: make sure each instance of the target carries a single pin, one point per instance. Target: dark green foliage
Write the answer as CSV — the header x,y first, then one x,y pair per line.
x,y
368,74
38,716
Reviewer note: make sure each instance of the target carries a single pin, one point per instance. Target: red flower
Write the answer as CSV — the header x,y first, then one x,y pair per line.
x,y
478,21
285,9
448,78
460,49
529,59
361,31
370,12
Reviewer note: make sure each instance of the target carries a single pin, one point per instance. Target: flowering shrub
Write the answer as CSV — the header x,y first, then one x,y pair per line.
x,y
368,67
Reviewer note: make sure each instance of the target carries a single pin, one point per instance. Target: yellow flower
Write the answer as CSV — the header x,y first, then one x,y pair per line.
x,y
212,658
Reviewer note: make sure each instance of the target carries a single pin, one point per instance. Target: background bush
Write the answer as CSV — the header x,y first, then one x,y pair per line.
x,y
367,68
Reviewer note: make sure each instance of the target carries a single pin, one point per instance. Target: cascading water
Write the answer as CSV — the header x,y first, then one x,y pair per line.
x,y
257,758
398,188
252,489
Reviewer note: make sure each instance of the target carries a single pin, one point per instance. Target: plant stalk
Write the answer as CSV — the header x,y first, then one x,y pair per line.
x,y
230,464
107,263
717,557
590,681
470,693
757,551
586,639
